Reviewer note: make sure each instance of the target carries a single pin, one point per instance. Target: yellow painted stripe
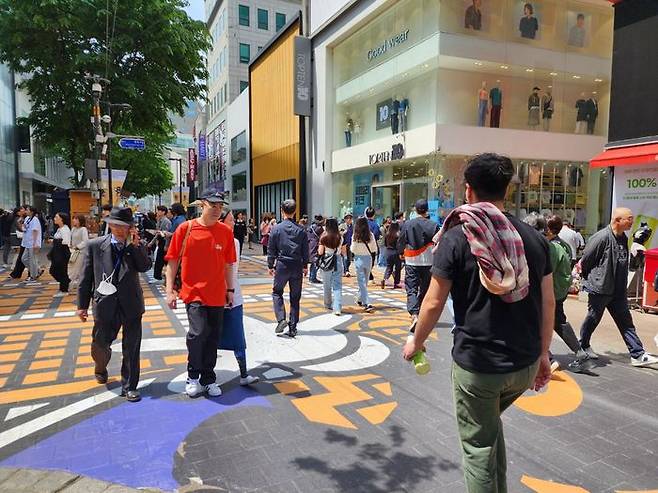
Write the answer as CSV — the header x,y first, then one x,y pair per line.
x,y
49,376
53,343
47,391
9,357
49,353
175,359
45,364
18,337
4,369
54,335
19,346
164,332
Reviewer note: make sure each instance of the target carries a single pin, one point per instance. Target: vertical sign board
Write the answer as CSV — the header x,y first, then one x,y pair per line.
x,y
191,159
302,77
202,147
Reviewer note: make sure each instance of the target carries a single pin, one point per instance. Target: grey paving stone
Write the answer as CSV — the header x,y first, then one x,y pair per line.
x,y
87,485
55,481
5,472
22,479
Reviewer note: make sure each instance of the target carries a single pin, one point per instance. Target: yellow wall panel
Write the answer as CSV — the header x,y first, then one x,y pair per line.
x,y
274,126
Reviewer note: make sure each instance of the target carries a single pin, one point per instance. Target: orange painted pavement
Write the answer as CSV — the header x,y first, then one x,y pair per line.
x,y
56,390
561,396
378,413
541,486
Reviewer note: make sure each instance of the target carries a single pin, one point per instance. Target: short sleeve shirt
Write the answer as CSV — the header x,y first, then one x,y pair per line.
x,y
30,225
207,251
492,336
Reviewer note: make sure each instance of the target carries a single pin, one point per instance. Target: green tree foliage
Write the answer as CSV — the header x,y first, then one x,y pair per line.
x,y
149,50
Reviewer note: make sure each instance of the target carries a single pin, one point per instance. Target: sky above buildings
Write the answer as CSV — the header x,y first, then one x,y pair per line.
x,y
195,9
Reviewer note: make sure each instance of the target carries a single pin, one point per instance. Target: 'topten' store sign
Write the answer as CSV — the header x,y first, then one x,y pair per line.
x,y
388,44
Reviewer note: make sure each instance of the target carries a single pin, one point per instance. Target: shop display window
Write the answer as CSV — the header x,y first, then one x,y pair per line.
x,y
557,25
521,98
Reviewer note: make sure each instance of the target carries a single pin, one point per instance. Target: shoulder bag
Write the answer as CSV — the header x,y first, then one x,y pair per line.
x,y
178,282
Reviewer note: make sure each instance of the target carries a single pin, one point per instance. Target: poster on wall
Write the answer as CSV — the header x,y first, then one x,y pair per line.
x,y
529,19
636,187
473,15
384,114
363,183
578,26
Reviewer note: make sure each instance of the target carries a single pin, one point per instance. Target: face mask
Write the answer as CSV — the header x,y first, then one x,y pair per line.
x,y
105,287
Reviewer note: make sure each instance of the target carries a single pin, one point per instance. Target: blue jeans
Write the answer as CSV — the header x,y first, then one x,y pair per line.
x,y
482,112
332,284
363,265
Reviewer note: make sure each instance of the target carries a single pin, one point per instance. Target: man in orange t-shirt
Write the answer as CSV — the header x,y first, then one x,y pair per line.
x,y
206,249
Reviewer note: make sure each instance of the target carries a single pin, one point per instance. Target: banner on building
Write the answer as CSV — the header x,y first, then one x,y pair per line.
x,y
636,187
191,159
302,77
118,179
202,148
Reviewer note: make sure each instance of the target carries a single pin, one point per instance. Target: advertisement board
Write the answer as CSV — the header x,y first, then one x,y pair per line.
x,y
636,187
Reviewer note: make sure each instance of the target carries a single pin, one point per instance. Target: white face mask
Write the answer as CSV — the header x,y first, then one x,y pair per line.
x,y
105,287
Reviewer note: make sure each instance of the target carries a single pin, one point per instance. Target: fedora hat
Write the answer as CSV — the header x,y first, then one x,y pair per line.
x,y
121,216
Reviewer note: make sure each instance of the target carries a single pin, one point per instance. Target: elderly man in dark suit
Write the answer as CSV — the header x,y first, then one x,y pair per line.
x,y
110,276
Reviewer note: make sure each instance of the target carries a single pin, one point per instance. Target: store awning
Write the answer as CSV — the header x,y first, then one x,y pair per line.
x,y
626,156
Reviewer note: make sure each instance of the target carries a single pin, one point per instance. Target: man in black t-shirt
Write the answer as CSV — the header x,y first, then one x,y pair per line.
x,y
500,345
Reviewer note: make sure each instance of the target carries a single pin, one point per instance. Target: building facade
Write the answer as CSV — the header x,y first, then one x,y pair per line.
x,y
238,174
239,29
406,92
8,157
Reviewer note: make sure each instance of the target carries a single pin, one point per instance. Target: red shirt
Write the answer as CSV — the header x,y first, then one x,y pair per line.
x,y
207,251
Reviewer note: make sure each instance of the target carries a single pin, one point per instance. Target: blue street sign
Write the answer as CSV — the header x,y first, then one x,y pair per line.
x,y
132,143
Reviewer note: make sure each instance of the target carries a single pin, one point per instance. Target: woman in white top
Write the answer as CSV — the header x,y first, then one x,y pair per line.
x,y
363,246
330,263
79,238
232,337
60,253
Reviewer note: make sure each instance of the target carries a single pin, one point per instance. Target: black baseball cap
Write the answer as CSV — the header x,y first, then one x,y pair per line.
x,y
421,206
214,196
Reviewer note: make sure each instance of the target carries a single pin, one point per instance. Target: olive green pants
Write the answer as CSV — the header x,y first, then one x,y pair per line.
x,y
480,399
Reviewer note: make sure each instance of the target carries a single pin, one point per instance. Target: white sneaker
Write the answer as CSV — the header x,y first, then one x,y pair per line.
x,y
590,352
248,380
60,294
193,387
645,360
555,366
338,313
213,389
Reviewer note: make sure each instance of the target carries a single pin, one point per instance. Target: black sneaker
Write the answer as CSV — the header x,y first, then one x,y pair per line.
x,y
292,331
281,326
369,309
358,302
579,365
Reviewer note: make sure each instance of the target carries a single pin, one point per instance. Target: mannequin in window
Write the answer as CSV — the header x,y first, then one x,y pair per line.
x,y
349,127
581,116
547,110
395,111
483,102
473,16
533,108
496,96
357,132
403,113
592,113
528,25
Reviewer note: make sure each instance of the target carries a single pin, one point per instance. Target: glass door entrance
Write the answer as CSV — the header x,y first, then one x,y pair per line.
x,y
387,199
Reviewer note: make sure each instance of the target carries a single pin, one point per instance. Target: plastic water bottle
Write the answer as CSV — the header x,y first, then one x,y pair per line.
x,y
419,360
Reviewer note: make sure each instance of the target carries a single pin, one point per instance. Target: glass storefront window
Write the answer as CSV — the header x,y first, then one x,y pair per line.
x,y
557,25
239,149
239,187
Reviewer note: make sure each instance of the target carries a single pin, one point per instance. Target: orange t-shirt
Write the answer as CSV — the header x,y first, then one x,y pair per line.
x,y
207,251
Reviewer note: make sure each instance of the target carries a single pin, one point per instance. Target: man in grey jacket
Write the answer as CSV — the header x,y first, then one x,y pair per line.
x,y
605,273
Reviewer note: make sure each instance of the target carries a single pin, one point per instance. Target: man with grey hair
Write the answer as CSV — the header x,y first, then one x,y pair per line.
x,y
287,261
604,269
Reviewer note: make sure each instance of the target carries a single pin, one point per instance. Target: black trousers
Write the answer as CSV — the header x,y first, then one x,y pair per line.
x,y
17,273
59,269
416,281
292,275
617,306
159,263
393,266
374,256
563,328
105,333
206,324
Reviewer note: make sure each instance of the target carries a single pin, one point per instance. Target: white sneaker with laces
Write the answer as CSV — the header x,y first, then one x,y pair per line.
x,y
645,360
248,380
193,387
590,352
213,389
